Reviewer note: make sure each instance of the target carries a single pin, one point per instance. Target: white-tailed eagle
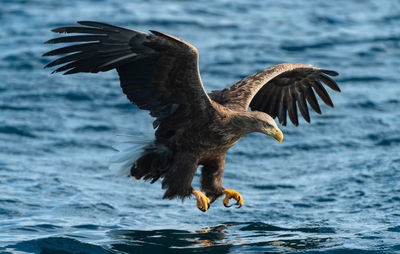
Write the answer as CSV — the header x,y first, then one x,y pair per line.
x,y
160,73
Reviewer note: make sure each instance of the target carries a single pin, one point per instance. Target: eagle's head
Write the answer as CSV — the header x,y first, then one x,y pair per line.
x,y
255,121
265,124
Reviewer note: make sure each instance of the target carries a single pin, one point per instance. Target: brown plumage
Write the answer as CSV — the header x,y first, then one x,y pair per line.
x,y
159,73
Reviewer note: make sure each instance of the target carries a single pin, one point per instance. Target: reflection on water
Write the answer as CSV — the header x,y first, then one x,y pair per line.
x,y
224,238
140,241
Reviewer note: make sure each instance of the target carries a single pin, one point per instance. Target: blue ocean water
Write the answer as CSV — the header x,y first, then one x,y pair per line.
x,y
331,187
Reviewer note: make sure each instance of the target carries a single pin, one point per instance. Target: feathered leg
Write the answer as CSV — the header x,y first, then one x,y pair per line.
x,y
179,177
211,182
211,177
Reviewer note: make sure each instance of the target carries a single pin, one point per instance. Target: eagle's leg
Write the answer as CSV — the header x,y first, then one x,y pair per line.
x,y
211,177
211,181
232,194
203,202
178,180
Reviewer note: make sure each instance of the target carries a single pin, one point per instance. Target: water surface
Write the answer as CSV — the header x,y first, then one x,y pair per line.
x,y
330,187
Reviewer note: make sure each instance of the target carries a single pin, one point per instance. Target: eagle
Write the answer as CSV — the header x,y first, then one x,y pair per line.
x,y
159,72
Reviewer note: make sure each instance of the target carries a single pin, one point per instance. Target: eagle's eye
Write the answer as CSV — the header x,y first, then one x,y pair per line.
x,y
267,125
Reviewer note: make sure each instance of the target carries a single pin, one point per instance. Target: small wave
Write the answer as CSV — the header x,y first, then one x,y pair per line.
x,y
98,209
267,227
367,104
323,200
303,205
299,48
22,61
40,228
330,20
355,79
76,96
388,142
344,251
327,145
393,101
8,213
390,18
95,128
67,143
56,245
20,131
381,139
17,108
394,229
273,186
88,226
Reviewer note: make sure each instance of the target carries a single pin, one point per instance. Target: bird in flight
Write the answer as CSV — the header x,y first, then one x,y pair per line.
x,y
159,72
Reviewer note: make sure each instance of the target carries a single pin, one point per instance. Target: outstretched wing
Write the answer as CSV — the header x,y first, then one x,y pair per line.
x,y
158,72
279,90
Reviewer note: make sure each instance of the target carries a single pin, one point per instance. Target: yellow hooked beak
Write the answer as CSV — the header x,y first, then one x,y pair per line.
x,y
276,133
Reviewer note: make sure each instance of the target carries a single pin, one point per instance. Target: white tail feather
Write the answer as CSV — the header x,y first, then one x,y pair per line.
x,y
129,149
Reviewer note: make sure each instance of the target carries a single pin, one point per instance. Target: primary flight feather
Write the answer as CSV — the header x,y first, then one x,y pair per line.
x,y
159,72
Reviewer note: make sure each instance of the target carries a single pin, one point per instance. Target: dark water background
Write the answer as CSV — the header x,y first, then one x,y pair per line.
x,y
330,187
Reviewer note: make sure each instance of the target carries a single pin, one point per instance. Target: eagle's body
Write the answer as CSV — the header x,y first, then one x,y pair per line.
x,y
159,72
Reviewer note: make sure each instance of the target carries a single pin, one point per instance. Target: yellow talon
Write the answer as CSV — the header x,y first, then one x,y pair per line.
x,y
232,194
203,202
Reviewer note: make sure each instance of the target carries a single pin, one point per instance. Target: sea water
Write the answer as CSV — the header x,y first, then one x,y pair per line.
x,y
332,186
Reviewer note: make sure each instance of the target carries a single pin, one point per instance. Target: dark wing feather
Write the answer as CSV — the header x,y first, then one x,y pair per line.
x,y
292,108
280,90
322,93
312,100
78,29
301,102
88,47
80,38
158,72
329,82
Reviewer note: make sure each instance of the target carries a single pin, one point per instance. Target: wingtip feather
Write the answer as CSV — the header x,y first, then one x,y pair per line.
x,y
330,72
58,30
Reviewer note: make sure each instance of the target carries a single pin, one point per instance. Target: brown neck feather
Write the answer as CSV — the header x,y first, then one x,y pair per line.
x,y
244,122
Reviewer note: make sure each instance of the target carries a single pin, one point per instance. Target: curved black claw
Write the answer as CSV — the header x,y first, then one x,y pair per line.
x,y
227,205
231,194
204,210
237,203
